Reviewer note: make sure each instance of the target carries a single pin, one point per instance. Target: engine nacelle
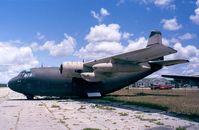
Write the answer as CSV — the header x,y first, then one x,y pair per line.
x,y
92,76
71,69
111,67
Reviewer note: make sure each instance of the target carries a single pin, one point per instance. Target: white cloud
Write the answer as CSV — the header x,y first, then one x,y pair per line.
x,y
195,18
171,24
100,16
64,48
99,50
166,4
103,40
187,36
197,2
40,36
104,33
104,12
189,52
165,42
174,40
140,43
127,35
15,59
120,2
161,3
136,44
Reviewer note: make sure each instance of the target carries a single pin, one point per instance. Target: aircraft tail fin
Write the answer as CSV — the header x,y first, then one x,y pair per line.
x,y
154,38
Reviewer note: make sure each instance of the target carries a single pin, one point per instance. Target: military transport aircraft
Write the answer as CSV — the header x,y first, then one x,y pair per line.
x,y
192,80
95,78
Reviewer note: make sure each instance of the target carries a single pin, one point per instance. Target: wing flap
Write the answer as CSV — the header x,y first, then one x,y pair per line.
x,y
149,53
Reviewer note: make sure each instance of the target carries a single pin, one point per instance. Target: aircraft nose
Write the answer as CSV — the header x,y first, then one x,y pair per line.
x,y
11,83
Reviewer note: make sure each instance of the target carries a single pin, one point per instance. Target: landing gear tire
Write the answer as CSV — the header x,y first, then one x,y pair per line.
x,y
30,97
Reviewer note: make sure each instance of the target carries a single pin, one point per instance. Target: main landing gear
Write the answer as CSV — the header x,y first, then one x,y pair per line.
x,y
29,97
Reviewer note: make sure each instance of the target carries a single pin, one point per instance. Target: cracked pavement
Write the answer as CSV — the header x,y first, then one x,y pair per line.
x,y
17,113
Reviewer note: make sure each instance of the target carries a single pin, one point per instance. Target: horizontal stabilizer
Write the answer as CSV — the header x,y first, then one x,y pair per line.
x,y
168,62
181,77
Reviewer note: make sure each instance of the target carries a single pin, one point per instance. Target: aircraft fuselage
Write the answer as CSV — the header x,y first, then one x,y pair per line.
x,y
48,81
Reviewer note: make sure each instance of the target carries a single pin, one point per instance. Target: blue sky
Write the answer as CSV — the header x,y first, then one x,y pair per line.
x,y
49,32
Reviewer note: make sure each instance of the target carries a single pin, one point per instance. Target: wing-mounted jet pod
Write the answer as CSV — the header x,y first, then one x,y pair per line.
x,y
99,77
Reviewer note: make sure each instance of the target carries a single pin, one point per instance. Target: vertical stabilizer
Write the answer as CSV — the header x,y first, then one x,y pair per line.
x,y
155,38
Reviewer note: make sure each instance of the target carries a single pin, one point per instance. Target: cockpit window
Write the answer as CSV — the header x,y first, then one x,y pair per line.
x,y
25,74
21,73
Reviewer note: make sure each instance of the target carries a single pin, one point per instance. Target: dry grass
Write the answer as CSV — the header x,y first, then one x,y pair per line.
x,y
181,128
123,114
55,106
104,107
177,101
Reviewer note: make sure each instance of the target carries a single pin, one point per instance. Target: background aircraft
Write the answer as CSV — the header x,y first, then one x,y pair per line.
x,y
182,80
98,77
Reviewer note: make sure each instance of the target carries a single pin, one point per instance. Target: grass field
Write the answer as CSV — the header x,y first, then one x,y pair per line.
x,y
185,102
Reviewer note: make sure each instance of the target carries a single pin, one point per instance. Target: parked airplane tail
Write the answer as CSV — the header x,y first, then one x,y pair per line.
x,y
154,38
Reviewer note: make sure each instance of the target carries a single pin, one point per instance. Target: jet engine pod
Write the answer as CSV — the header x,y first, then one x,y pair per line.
x,y
92,76
117,67
71,69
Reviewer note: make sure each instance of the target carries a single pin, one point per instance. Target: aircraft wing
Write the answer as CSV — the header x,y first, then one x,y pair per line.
x,y
149,53
181,77
134,61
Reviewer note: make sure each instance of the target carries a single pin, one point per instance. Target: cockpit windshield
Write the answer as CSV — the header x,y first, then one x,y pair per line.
x,y
25,74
